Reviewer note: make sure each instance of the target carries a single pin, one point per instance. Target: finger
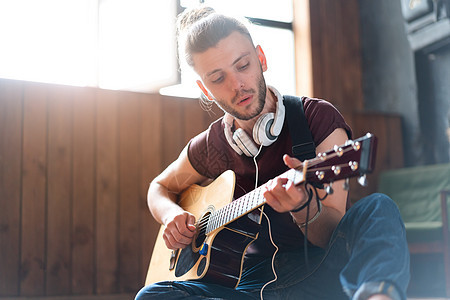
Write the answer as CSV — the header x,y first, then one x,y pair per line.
x,y
191,224
175,240
277,185
296,192
291,162
181,223
170,242
272,200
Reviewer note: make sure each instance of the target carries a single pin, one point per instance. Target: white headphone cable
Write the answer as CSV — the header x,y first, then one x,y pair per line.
x,y
256,166
273,257
270,230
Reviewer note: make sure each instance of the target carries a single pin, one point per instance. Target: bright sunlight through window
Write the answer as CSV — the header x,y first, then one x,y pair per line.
x,y
123,44
111,44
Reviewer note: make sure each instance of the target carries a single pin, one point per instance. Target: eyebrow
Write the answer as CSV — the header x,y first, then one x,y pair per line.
x,y
234,62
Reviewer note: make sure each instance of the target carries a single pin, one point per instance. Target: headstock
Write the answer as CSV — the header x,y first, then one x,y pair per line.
x,y
354,158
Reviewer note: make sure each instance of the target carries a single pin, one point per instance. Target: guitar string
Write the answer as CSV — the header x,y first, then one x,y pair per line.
x,y
317,160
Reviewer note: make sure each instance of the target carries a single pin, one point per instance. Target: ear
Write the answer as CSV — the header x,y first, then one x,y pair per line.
x,y
262,58
204,90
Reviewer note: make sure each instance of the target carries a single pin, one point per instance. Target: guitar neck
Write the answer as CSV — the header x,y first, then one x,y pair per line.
x,y
246,203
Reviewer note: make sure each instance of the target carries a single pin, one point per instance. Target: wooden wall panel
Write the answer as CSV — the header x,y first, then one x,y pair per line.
x,y
193,126
34,191
172,130
11,106
151,148
78,162
336,58
83,191
59,192
107,183
129,196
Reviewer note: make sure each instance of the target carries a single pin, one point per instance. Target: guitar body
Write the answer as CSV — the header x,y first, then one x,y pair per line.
x,y
222,261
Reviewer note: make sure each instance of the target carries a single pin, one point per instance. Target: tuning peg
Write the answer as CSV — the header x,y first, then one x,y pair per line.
x,y
346,184
362,180
329,189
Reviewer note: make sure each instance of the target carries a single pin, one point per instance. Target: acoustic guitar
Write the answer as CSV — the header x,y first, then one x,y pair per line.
x,y
225,228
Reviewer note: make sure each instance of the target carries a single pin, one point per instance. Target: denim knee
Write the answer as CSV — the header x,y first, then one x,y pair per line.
x,y
376,205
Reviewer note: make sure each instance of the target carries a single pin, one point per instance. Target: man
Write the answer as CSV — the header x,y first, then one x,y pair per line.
x,y
358,254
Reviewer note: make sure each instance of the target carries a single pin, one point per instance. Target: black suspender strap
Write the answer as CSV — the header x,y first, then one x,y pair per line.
x,y
303,146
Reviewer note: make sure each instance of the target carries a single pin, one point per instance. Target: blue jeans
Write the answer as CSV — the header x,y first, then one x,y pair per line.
x,y
367,254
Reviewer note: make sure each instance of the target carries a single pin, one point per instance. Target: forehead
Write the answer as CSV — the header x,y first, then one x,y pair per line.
x,y
223,55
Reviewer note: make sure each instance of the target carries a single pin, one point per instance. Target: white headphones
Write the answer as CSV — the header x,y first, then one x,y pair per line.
x,y
266,130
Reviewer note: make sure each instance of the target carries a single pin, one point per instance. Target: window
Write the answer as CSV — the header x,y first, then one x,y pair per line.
x,y
105,43
125,44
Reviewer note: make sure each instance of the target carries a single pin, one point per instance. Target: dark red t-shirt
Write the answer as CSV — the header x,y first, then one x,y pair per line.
x,y
211,155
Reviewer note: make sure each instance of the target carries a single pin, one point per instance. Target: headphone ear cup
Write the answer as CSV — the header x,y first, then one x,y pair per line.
x,y
244,142
262,130
277,126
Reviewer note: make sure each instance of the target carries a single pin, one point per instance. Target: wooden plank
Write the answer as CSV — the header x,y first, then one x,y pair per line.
x,y
173,135
347,40
336,63
83,207
322,31
387,128
151,143
34,181
316,46
11,105
330,57
193,119
59,198
107,182
129,185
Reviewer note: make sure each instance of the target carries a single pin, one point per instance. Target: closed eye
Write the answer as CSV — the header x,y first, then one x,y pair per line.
x,y
218,80
244,67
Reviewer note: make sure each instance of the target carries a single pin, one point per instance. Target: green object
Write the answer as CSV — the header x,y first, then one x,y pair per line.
x,y
416,191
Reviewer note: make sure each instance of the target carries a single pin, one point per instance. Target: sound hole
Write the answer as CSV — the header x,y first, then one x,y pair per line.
x,y
201,230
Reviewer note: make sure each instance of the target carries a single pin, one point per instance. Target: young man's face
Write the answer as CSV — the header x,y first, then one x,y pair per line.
x,y
232,72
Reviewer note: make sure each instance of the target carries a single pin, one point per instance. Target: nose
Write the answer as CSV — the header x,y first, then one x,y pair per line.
x,y
236,82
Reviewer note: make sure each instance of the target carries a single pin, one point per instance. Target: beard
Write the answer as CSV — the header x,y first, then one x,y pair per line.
x,y
261,101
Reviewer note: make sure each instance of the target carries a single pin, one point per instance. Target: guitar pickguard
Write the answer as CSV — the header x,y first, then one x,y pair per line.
x,y
186,261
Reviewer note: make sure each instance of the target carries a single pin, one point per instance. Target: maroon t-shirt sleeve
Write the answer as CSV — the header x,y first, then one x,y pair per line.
x,y
323,118
209,152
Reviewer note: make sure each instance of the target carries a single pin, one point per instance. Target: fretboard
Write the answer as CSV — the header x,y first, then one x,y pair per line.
x,y
246,203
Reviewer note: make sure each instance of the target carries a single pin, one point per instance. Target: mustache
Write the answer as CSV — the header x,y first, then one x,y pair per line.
x,y
240,94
